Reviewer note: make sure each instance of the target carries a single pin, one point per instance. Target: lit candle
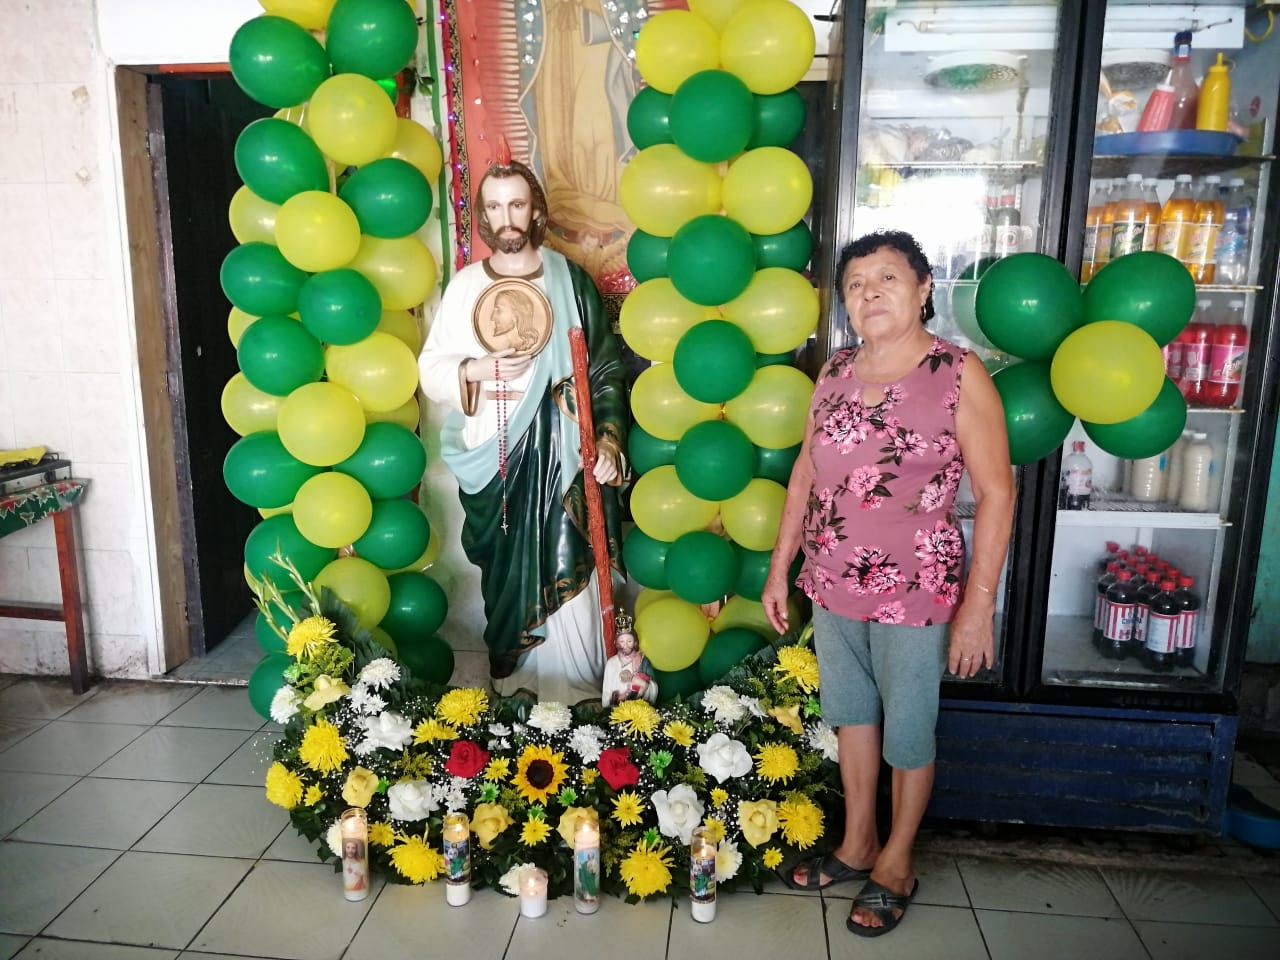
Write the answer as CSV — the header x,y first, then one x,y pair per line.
x,y
702,875
586,864
354,828
533,893
457,859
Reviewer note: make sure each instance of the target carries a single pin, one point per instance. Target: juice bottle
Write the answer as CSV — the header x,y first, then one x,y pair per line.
x,y
1214,108
1151,235
1089,264
1130,219
1206,223
1228,347
1176,217
1186,94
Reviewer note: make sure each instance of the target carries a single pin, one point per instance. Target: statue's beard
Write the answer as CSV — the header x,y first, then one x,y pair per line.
x,y
511,240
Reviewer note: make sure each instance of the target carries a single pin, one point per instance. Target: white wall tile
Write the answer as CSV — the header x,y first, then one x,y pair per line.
x,y
102,437
13,571
26,242
77,230
44,583
6,412
110,591
69,132
118,655
41,414
87,325
29,325
67,44
22,159
107,509
19,58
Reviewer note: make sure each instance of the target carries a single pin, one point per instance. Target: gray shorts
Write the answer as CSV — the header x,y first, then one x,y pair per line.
x,y
874,672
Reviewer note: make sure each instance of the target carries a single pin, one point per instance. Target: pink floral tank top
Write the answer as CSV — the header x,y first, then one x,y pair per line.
x,y
881,541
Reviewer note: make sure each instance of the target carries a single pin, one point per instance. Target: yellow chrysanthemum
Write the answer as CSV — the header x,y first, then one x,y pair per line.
x,y
637,718
628,808
499,769
590,776
540,773
308,636
284,787
647,871
381,834
461,708
777,762
680,732
415,860
432,729
719,796
534,832
772,858
716,827
313,795
799,664
801,821
322,748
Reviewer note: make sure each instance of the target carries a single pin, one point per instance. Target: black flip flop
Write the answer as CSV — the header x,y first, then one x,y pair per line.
x,y
836,869
881,901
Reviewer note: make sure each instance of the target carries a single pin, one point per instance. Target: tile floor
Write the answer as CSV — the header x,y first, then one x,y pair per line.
x,y
133,825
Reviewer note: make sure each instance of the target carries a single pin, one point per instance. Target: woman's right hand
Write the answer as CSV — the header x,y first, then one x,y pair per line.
x,y
774,598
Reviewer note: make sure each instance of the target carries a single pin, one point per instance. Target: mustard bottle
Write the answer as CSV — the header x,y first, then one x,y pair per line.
x,y
1215,98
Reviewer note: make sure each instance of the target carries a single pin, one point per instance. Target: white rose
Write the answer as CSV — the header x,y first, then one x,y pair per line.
x,y
388,730
723,758
550,717
679,811
411,800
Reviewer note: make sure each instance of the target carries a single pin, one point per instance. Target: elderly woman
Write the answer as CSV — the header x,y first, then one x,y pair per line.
x,y
893,424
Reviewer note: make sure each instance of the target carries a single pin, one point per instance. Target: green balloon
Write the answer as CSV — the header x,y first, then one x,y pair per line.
x,y
779,118
418,608
1151,290
428,659
711,259
713,116
276,62
1027,304
647,255
281,533
725,650
701,567
389,462
339,307
259,471
277,159
383,639
649,118
791,249
268,639
391,198
647,451
397,535
714,361
715,460
266,679
962,298
774,360
753,569
375,38
260,281
680,684
1037,423
775,464
1152,431
645,559
277,355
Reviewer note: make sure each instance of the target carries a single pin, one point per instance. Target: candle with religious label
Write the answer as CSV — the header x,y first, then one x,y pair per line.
x,y
457,859
586,863
354,828
702,875
533,893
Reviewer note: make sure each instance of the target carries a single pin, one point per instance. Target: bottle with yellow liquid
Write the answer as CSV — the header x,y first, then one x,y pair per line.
x,y
1214,108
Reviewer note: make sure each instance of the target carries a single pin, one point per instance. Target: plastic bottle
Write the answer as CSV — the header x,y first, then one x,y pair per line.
x,y
1228,348
1158,112
1113,550
1197,458
1117,624
1173,469
1195,338
1233,238
1103,584
1153,213
1077,478
1147,485
1128,227
1202,247
1008,222
1160,636
1145,591
1089,262
1214,109
1188,620
1175,218
1186,94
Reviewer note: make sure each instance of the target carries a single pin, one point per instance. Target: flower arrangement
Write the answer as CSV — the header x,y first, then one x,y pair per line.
x,y
748,758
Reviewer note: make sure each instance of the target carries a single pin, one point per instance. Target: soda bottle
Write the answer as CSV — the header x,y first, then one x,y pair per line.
x,y
1195,353
1129,225
1175,219
1103,584
1089,263
1202,247
1197,460
1160,637
1103,254
1008,223
1113,550
1117,621
1151,235
1077,478
1186,94
1228,347
1188,620
1233,239
1148,589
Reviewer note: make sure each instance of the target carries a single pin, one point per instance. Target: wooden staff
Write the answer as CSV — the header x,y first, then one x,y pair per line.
x,y
595,505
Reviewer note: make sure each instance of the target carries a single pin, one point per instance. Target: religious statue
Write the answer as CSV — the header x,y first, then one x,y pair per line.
x,y
628,675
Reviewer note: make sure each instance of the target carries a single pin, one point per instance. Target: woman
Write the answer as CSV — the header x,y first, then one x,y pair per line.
x,y
893,424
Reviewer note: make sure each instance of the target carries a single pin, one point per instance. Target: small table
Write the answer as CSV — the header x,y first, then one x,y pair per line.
x,y
27,508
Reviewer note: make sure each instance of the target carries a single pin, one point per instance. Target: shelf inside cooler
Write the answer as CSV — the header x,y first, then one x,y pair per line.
x,y
1112,509
932,166
1070,658
1164,166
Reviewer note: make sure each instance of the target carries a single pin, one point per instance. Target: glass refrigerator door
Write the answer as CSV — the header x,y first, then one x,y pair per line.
x,y
1173,517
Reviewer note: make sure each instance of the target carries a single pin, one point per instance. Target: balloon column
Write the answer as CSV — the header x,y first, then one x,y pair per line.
x,y
322,283
721,303
1097,356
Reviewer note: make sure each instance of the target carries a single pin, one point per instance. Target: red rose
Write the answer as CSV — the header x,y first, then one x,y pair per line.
x,y
466,759
617,769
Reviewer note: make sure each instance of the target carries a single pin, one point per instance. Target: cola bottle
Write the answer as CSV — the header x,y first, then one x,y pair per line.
x,y
1117,625
1160,643
1188,621
1145,592
1100,603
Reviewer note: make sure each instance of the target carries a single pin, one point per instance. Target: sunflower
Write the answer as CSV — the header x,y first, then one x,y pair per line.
x,y
433,729
681,733
772,858
415,860
534,832
540,772
801,821
647,869
636,717
307,636
799,664
322,748
284,787
381,834
463,707
628,808
777,761
499,769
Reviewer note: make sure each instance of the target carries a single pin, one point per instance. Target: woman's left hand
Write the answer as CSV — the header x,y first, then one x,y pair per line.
x,y
972,641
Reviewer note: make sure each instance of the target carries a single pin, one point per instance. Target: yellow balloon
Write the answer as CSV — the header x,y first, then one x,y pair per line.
x,y
408,416
237,322
672,633
751,518
662,408
317,231
311,14
647,596
295,115
402,270
663,188
321,423
716,12
773,409
768,189
253,582
778,310
673,46
351,119
332,510
738,611
246,408
404,326
768,45
275,511
655,316
360,585
379,370
1107,371
664,509
414,144
252,219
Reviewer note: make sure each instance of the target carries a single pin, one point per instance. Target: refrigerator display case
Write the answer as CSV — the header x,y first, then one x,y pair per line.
x,y
984,129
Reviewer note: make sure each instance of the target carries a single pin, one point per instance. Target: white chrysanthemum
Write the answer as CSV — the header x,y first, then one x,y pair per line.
x,y
366,701
723,758
587,742
510,881
453,795
284,705
821,737
380,674
550,717
388,730
499,730
411,800
679,811
752,706
724,703
728,861
518,729
334,838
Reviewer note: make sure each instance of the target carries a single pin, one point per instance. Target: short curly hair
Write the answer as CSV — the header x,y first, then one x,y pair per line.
x,y
899,240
